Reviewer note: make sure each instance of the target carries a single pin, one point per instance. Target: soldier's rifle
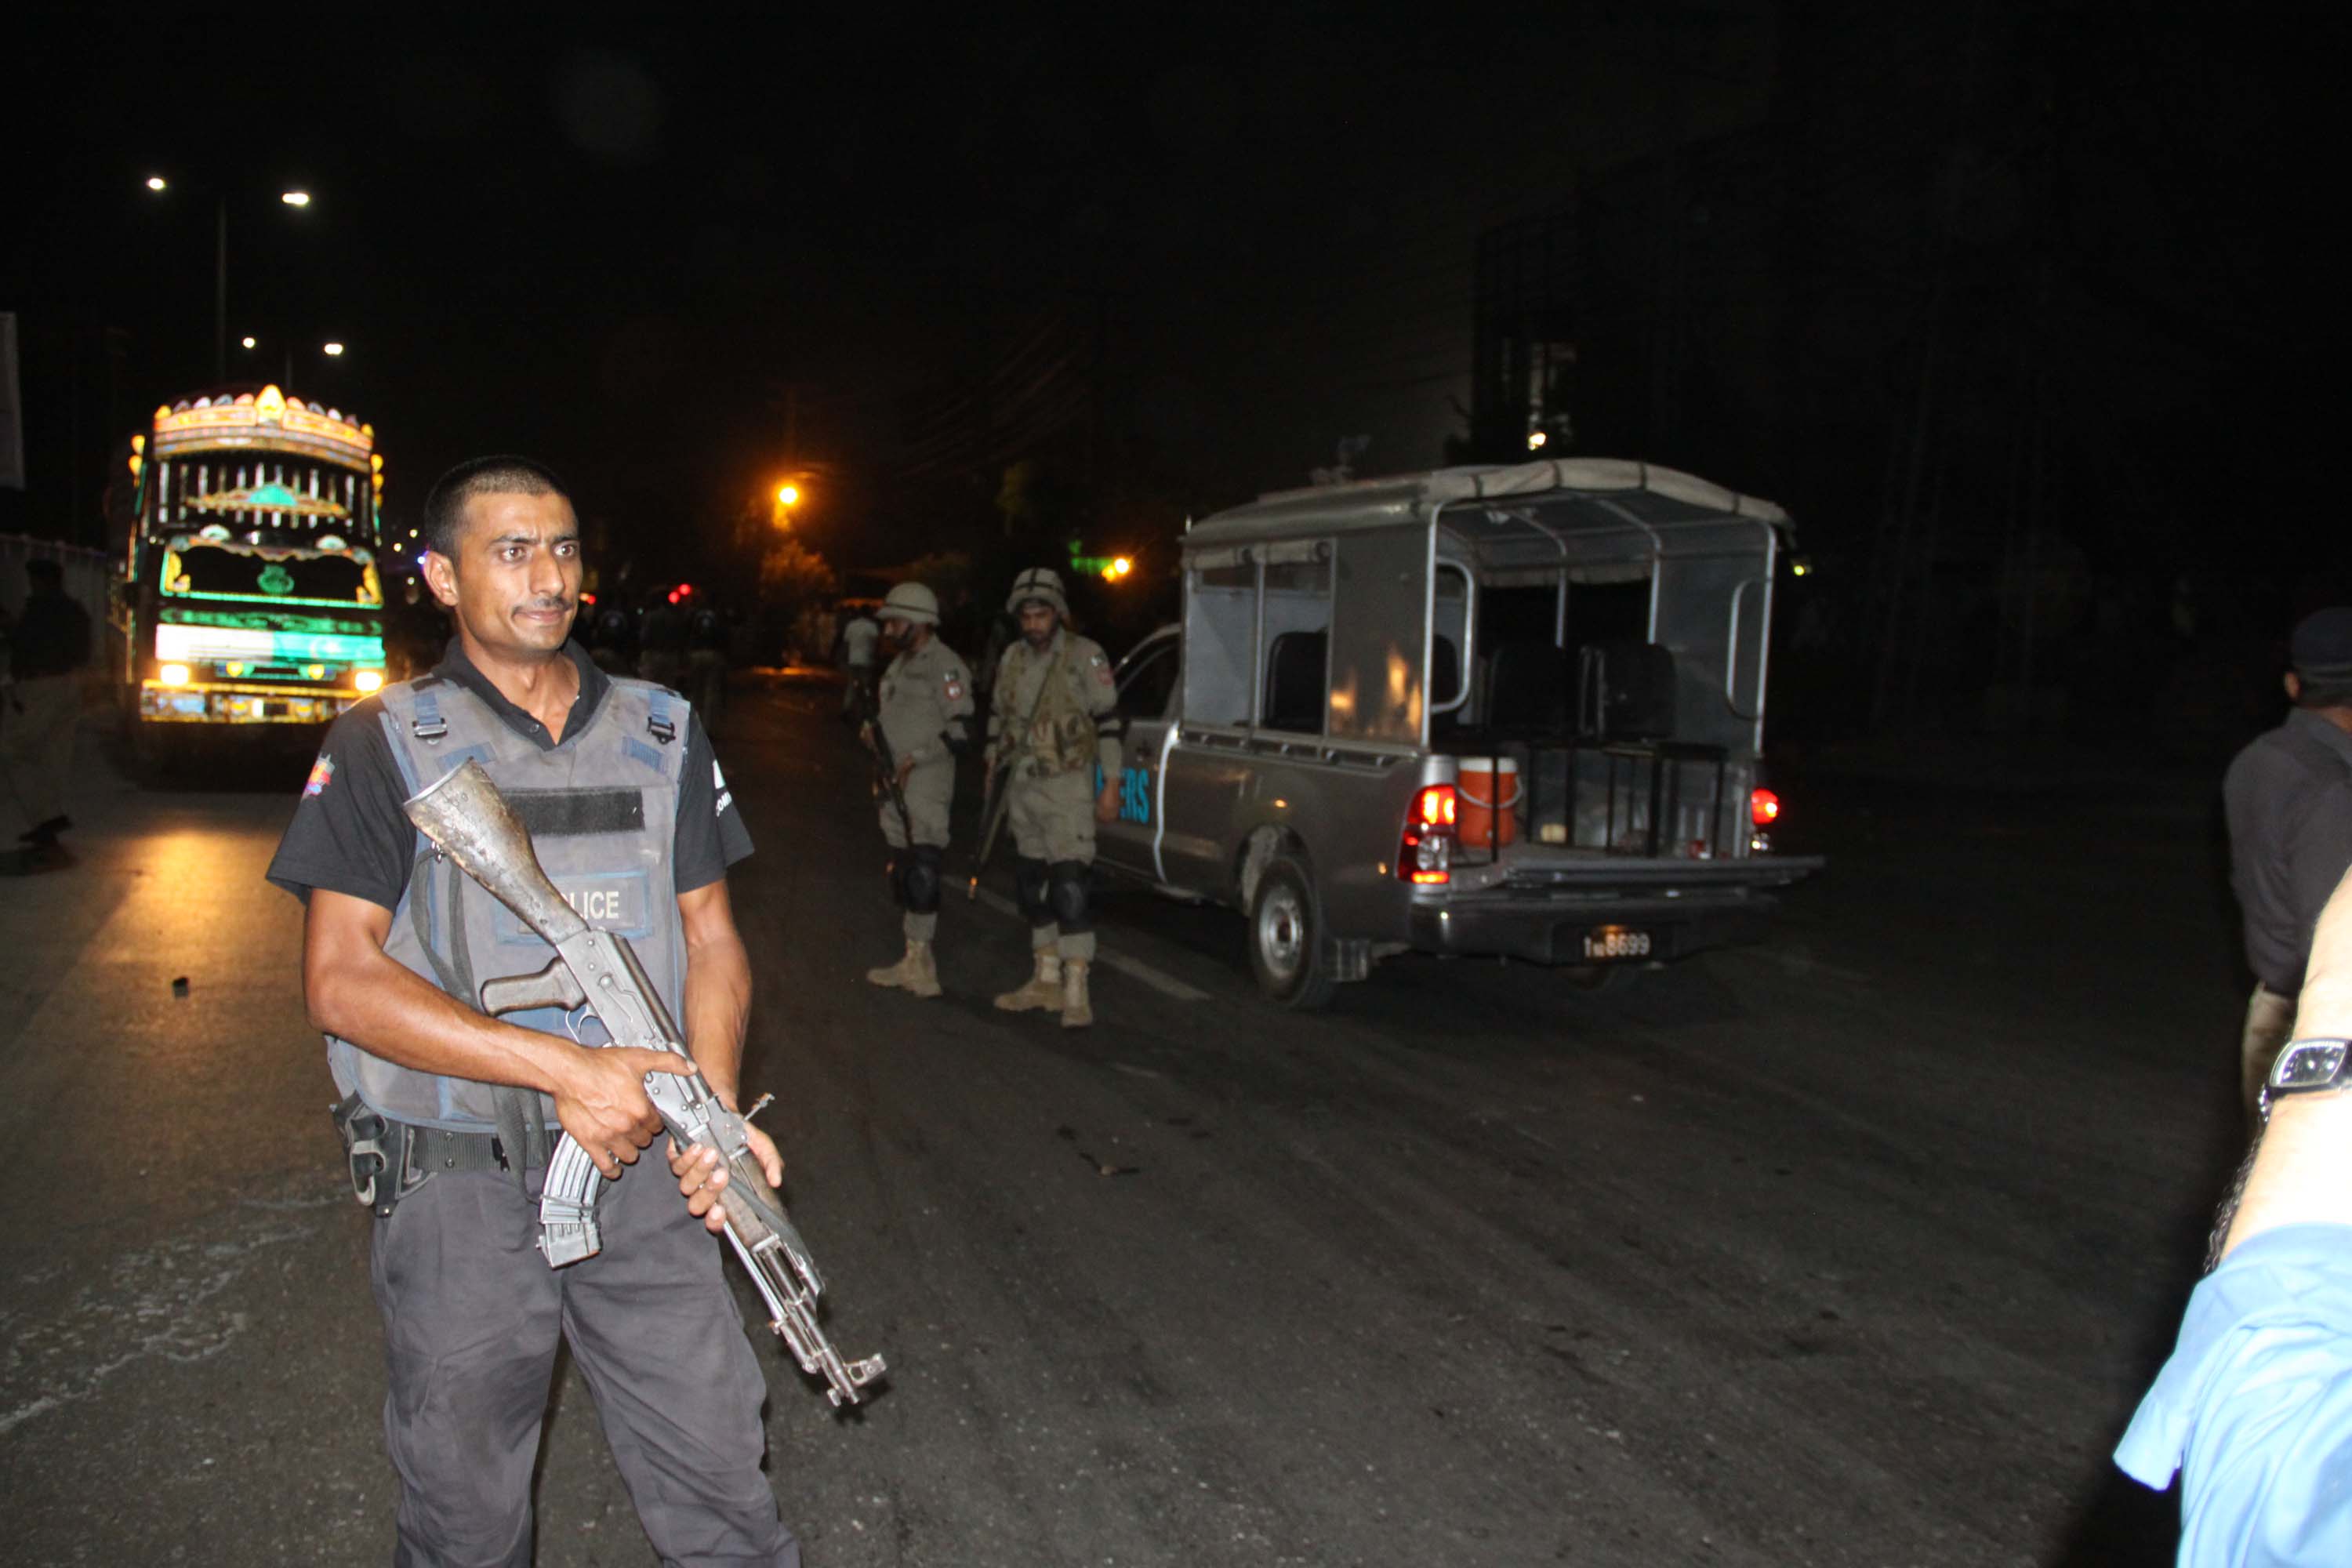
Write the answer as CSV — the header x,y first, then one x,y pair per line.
x,y
467,818
991,815
885,765
999,794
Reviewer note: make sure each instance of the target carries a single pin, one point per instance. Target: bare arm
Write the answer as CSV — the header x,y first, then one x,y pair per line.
x,y
2303,1167
717,987
718,1010
352,988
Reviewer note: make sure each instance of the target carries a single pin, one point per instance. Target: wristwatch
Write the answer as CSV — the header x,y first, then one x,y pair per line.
x,y
2308,1067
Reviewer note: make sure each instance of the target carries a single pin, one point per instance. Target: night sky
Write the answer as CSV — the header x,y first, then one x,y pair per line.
x,y
1175,257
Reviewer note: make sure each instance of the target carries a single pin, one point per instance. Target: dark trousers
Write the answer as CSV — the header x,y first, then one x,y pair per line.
x,y
471,1316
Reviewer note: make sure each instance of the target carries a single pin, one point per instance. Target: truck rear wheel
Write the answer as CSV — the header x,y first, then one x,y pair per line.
x,y
1288,943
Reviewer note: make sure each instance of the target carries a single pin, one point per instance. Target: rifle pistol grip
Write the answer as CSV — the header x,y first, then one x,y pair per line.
x,y
550,987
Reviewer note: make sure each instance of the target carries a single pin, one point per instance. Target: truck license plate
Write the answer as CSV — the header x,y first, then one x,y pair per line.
x,y
1609,945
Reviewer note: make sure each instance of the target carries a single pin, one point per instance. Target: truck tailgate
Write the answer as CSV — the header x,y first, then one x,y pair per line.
x,y
1526,869
1559,907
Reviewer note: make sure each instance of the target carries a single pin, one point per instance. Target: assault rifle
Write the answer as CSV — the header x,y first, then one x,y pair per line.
x,y
885,766
464,815
1007,750
991,814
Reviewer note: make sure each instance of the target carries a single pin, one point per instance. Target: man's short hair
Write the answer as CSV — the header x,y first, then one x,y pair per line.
x,y
444,505
44,573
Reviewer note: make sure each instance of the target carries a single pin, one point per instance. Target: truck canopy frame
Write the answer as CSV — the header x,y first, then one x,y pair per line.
x,y
1707,552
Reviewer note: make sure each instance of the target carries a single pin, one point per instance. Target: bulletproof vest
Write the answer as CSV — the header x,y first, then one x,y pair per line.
x,y
601,808
1060,738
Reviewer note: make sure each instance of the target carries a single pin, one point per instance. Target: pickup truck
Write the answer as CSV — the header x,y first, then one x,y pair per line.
x,y
1512,711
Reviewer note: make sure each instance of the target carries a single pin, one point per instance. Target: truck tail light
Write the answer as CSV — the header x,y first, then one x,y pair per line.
x,y
1763,807
1426,856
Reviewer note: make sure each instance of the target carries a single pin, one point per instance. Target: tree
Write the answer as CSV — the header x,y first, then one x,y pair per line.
x,y
791,576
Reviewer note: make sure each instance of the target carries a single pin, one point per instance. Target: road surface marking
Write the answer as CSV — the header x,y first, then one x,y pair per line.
x,y
1133,968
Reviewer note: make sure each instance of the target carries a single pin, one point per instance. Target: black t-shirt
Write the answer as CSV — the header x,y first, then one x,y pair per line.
x,y
350,836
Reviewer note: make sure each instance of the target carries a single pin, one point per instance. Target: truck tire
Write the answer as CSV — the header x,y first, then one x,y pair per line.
x,y
1287,940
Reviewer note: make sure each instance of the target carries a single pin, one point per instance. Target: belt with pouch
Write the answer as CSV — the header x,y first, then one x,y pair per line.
x,y
389,1158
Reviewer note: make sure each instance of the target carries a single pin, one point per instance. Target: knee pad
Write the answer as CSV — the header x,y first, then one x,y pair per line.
x,y
1072,909
1030,880
920,879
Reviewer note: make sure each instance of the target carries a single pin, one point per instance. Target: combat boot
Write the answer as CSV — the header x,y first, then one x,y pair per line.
x,y
917,972
1077,1011
926,981
1044,988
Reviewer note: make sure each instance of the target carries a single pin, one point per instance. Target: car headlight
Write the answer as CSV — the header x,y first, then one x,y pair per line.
x,y
369,680
173,674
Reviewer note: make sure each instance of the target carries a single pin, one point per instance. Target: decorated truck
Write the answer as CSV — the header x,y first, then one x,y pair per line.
x,y
250,595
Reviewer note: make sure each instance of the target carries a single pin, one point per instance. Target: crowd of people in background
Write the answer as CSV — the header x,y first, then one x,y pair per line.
x,y
684,639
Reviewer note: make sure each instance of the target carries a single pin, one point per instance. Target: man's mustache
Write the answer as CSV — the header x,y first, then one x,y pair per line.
x,y
534,605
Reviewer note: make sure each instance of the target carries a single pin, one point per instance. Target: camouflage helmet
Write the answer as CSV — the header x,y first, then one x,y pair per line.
x,y
910,601
1039,585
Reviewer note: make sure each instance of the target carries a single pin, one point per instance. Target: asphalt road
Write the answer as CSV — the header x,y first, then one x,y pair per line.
x,y
1854,1248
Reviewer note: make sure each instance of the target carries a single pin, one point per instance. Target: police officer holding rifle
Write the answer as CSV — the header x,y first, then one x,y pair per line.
x,y
451,1115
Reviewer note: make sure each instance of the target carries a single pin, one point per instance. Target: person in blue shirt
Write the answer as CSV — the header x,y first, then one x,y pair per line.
x,y
2254,1409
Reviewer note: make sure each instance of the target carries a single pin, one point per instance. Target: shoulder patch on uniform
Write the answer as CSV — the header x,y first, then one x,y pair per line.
x,y
954,679
719,782
1100,666
323,773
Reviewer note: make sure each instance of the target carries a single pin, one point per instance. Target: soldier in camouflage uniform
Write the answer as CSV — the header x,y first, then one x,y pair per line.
x,y
1053,720
925,699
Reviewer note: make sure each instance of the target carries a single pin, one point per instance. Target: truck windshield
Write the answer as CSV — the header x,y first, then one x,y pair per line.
x,y
200,568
